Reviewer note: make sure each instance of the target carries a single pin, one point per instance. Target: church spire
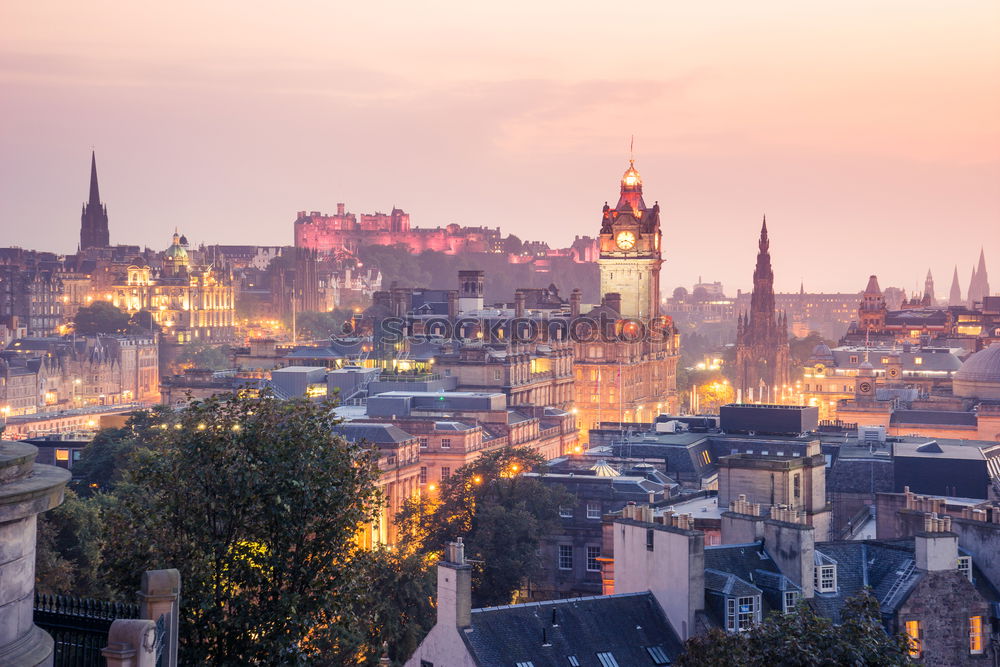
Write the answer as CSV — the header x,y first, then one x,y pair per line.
x,y
95,193
955,295
763,244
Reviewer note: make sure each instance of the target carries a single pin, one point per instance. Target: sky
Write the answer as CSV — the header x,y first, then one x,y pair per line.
x,y
869,133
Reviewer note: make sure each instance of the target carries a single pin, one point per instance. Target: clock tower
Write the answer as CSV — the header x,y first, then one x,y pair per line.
x,y
630,257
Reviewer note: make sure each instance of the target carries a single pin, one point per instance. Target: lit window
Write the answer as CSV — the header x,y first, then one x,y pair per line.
x,y
593,553
965,566
607,660
913,638
445,443
919,361
62,455
975,634
593,510
825,578
566,512
565,557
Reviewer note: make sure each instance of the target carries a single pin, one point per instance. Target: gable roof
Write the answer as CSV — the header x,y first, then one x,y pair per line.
x,y
624,625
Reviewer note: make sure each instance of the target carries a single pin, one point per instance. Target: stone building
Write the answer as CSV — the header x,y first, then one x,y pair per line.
x,y
762,361
191,303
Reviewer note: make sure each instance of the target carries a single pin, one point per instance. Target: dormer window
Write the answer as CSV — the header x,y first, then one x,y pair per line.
x,y
742,613
825,578
789,599
965,566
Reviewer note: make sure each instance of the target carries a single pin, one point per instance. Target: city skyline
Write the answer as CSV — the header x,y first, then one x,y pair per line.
x,y
859,132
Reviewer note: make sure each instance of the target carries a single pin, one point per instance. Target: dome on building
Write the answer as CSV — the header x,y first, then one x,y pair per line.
x,y
631,178
866,368
176,252
979,376
821,353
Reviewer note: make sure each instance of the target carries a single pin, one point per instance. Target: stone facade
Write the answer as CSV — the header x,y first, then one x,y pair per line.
x,y
26,489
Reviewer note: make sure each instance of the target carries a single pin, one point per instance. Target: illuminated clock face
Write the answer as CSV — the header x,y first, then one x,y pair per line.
x,y
625,240
865,387
893,372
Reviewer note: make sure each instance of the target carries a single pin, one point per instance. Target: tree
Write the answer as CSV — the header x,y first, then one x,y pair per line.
x,y
104,459
100,317
320,325
214,357
257,503
680,294
500,514
69,549
802,638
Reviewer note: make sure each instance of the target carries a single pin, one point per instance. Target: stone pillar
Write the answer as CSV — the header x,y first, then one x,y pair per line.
x,y
131,643
26,490
161,595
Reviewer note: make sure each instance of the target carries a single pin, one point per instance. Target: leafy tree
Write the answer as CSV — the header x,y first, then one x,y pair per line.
x,y
319,325
214,357
802,638
69,549
680,294
257,503
100,317
104,459
500,514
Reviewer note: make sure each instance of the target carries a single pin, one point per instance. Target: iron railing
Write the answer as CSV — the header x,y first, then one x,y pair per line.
x,y
79,626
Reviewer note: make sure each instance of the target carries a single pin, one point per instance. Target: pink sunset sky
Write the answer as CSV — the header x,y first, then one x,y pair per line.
x,y
869,132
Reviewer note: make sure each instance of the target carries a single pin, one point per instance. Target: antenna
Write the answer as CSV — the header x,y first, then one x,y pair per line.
x,y
631,149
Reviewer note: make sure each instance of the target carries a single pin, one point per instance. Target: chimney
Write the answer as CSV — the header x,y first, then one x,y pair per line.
x,y
793,548
574,302
519,303
454,589
613,300
936,549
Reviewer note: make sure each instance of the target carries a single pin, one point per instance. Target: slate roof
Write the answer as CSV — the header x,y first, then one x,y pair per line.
x,y
878,564
378,434
623,625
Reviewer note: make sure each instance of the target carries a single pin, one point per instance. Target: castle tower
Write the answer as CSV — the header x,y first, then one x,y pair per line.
x,y
631,257
762,335
94,220
871,312
955,295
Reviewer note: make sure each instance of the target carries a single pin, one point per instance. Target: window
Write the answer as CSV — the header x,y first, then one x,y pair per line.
x,y
825,578
764,452
573,661
965,566
797,484
607,660
731,614
593,510
593,553
565,557
445,443
918,361
426,663
913,638
423,443
566,512
658,655
496,373
790,598
975,634
445,473
649,539
854,358
524,664
423,474
706,457
747,613
62,455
